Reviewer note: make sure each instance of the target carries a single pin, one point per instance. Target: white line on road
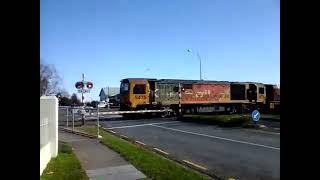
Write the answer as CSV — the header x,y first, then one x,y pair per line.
x,y
216,137
263,132
124,136
139,125
161,151
139,142
194,164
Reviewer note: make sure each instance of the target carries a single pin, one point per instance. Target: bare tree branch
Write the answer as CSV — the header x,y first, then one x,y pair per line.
x,y
50,81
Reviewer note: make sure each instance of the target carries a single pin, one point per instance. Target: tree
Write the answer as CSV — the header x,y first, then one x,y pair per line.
x,y
64,93
49,80
74,99
65,101
92,103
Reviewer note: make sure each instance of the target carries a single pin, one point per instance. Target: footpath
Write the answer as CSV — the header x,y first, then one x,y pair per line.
x,y
100,162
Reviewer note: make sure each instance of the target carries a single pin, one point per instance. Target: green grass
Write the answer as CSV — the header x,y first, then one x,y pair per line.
x,y
65,166
271,117
151,164
223,120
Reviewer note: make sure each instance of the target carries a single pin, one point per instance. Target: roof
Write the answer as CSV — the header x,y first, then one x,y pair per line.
x,y
139,79
111,91
201,81
190,81
187,81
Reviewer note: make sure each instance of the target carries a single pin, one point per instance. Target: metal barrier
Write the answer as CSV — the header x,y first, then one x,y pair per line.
x,y
71,116
90,111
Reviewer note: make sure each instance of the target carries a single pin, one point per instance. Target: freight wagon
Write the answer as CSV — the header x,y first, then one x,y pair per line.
x,y
194,96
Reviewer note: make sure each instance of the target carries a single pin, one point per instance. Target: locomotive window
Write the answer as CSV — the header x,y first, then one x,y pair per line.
x,y
139,89
261,90
124,87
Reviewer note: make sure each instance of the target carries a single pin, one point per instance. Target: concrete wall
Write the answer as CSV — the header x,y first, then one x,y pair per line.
x,y
48,130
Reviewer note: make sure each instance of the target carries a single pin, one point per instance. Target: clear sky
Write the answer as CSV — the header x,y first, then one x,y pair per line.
x,y
108,40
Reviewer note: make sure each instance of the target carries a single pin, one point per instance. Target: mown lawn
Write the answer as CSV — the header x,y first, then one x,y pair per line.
x,y
223,120
65,166
151,164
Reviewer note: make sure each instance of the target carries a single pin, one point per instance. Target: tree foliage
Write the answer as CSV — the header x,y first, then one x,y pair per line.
x,y
65,101
92,103
74,99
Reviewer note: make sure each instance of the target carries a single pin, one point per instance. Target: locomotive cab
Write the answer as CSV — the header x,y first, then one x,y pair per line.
x,y
134,94
124,95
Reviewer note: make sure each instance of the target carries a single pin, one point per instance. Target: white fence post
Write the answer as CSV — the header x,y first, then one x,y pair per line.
x,y
67,116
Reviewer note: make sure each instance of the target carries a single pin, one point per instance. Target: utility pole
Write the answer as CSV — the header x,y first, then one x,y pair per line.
x,y
179,93
82,89
83,117
199,58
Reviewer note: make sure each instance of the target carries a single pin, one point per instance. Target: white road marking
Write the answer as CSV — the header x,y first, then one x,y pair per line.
x,y
139,142
216,137
159,150
264,132
124,136
194,164
139,125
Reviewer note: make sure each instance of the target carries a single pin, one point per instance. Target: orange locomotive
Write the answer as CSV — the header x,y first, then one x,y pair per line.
x,y
195,96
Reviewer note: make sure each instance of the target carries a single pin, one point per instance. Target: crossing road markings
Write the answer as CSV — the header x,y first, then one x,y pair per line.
x,y
195,165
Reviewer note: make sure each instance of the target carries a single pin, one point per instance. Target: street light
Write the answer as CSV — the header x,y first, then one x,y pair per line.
x,y
199,57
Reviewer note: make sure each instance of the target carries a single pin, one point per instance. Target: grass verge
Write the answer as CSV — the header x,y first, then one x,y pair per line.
x,y
222,120
65,166
151,164
270,117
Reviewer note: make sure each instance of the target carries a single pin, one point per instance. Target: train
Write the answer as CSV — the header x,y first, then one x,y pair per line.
x,y
198,96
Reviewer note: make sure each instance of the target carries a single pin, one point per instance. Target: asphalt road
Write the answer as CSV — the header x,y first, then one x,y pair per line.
x,y
227,152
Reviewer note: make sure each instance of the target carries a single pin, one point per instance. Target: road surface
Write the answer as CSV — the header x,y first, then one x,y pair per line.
x,y
226,152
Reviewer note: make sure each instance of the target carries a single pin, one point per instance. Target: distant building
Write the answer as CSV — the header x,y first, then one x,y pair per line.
x,y
108,92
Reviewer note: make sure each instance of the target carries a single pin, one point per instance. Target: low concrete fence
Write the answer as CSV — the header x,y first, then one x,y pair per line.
x,y
48,130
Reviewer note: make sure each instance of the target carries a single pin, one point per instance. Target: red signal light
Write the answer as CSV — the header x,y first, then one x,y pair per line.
x,y
79,85
89,85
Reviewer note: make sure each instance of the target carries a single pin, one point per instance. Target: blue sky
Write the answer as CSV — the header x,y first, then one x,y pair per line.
x,y
109,40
